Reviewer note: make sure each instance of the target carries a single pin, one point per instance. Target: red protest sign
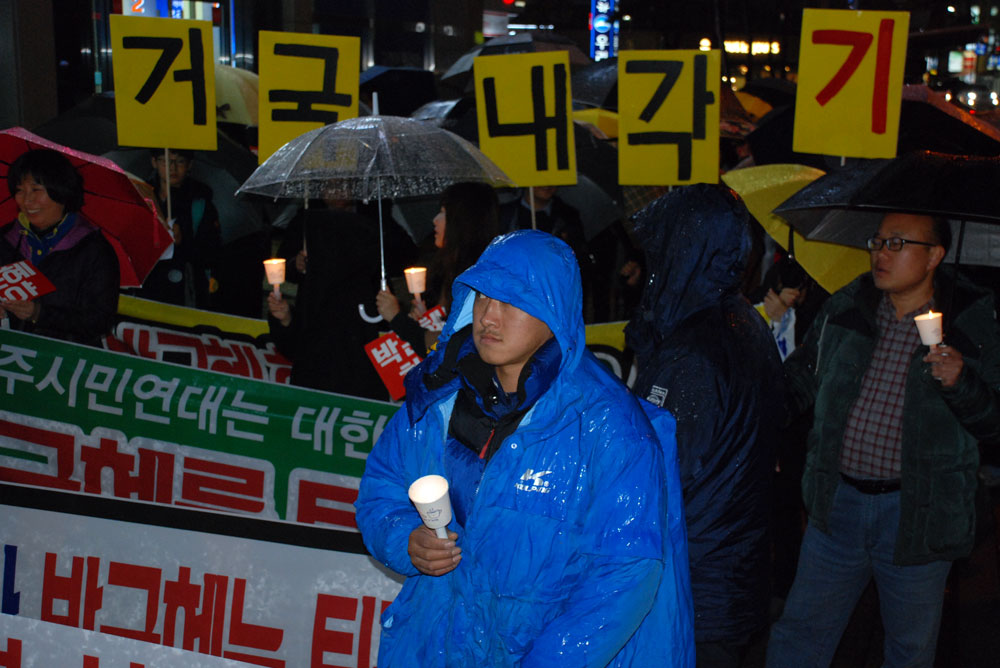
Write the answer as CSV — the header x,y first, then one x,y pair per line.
x,y
392,358
433,320
22,282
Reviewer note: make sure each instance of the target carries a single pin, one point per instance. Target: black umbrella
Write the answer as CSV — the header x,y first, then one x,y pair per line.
x,y
776,92
400,89
845,206
458,75
926,123
596,85
457,115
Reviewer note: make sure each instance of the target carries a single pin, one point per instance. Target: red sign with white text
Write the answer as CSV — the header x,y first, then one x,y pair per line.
x,y
392,358
434,319
20,281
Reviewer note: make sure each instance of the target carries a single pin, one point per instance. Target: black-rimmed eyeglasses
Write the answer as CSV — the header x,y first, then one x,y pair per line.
x,y
892,243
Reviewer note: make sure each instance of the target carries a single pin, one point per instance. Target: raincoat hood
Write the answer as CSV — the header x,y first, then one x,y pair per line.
x,y
537,273
697,241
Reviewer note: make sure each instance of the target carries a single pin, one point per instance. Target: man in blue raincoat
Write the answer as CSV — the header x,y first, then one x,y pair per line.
x,y
567,546
705,355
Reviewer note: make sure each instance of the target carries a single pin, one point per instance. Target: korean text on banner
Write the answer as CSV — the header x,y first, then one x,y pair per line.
x,y
668,117
20,281
164,82
255,591
178,436
523,105
850,82
306,81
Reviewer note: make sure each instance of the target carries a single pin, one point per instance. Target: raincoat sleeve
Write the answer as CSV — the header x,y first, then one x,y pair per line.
x,y
622,548
384,513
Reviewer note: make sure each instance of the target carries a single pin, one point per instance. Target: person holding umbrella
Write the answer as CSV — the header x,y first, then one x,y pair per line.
x,y
52,234
890,475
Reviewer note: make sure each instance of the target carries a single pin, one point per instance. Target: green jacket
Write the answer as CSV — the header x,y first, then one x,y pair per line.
x,y
941,426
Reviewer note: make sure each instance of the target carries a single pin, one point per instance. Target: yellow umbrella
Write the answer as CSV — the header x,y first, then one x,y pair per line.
x,y
763,188
603,119
756,107
236,95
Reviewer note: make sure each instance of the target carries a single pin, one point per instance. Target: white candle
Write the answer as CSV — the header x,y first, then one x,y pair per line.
x,y
929,326
416,280
430,496
275,270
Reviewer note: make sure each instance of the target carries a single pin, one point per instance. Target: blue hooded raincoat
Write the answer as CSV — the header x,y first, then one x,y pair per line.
x,y
573,548
706,356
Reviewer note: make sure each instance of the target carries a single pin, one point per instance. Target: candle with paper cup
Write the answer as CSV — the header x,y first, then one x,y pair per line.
x,y
416,283
929,326
275,268
430,496
416,280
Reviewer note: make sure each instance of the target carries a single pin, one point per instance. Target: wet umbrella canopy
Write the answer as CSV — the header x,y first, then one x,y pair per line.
x,y
523,42
846,206
926,122
372,157
597,85
120,207
767,186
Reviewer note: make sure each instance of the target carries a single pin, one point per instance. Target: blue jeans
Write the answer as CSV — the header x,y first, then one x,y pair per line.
x,y
833,571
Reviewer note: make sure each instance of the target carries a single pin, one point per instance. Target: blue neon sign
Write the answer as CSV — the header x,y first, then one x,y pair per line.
x,y
603,29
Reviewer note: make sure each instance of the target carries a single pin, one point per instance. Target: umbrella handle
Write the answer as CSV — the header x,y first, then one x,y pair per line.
x,y
366,317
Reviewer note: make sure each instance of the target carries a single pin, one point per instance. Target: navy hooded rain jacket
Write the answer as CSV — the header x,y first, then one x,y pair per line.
x,y
706,355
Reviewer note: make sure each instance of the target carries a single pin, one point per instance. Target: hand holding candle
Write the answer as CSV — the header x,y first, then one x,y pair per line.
x,y
929,326
275,269
430,496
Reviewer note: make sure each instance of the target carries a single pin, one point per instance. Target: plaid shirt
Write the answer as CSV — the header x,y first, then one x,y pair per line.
x,y
873,439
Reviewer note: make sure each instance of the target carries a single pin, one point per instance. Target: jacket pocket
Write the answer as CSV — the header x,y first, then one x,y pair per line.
x,y
951,514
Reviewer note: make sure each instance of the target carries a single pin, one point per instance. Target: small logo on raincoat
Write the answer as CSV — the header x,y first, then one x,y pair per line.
x,y
532,481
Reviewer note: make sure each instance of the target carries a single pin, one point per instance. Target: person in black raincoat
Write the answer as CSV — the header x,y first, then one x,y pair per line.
x,y
705,355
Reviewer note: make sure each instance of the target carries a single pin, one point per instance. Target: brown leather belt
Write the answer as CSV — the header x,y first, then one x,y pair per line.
x,y
872,486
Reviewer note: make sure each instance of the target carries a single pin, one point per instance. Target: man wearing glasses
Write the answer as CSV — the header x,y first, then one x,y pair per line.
x,y
891,470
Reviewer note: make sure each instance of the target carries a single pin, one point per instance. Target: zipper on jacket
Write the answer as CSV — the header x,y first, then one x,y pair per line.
x,y
482,453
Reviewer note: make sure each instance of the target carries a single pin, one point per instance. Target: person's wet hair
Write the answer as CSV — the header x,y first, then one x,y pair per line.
x,y
54,171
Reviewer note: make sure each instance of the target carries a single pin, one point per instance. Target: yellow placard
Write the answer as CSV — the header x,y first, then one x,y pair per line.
x,y
306,81
164,82
523,104
850,82
668,117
